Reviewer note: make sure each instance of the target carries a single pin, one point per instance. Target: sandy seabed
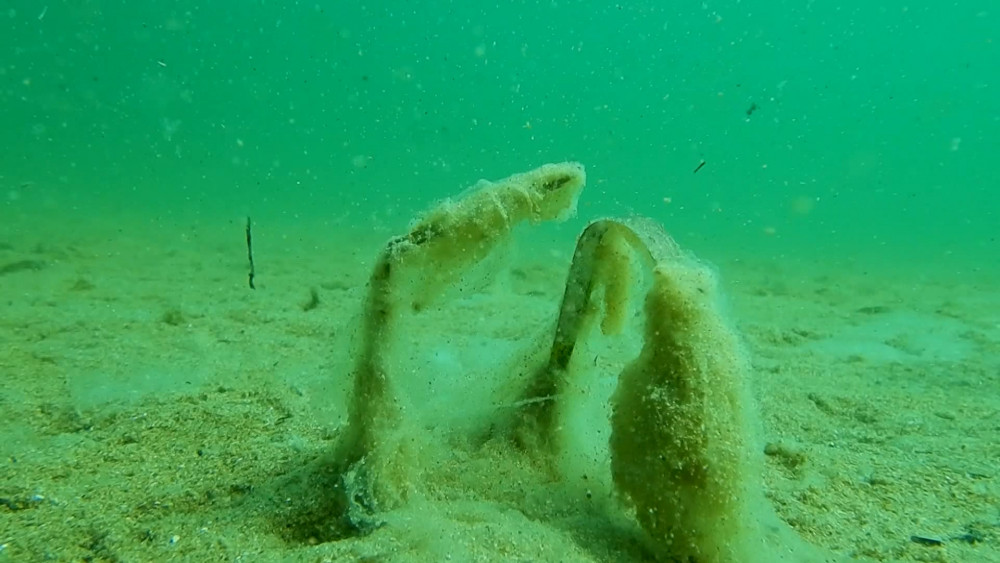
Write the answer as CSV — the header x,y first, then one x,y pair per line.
x,y
155,408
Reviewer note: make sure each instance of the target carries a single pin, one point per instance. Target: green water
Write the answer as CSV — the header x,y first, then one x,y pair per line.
x,y
874,131
836,160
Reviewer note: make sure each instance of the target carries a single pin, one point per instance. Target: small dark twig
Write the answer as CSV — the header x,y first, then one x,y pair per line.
x,y
250,253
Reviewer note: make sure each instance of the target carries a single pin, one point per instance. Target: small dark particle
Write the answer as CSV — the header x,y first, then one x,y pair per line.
x,y
697,168
931,542
751,109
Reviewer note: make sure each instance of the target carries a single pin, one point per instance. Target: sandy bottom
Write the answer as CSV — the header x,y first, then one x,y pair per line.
x,y
155,408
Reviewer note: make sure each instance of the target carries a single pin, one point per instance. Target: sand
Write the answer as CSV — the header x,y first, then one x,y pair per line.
x,y
156,408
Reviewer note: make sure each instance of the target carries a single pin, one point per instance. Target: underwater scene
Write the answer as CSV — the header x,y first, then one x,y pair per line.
x,y
555,281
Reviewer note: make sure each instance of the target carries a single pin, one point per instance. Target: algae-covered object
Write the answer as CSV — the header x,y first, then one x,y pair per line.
x,y
681,456
679,443
378,450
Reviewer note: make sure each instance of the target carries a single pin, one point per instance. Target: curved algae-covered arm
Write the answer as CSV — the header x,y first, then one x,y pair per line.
x,y
682,430
679,443
602,258
376,451
680,438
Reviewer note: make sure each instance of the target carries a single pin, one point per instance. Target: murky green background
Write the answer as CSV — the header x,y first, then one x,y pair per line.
x,y
874,128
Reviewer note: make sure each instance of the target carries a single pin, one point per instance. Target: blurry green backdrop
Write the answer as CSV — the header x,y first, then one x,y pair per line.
x,y
828,128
